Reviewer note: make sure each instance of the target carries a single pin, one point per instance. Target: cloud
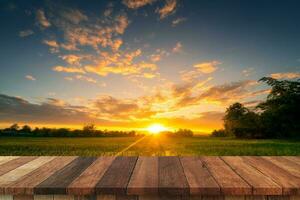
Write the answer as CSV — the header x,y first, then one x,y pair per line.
x,y
135,4
30,77
54,47
177,48
26,33
51,43
41,19
51,111
72,59
207,67
157,56
286,75
74,16
177,21
85,78
168,9
248,72
68,69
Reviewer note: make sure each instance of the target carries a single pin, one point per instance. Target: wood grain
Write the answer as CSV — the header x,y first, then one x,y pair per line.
x,y
4,159
60,180
116,178
85,183
43,197
295,159
260,183
230,183
172,180
289,183
26,184
13,164
285,164
23,197
21,171
200,181
144,179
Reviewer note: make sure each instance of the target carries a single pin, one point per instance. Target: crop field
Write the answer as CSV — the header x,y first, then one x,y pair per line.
x,y
145,146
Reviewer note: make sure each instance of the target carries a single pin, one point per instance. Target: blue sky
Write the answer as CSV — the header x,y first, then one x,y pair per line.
x,y
130,63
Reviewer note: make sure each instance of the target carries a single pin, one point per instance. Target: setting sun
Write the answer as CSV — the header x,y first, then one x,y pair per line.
x,y
156,128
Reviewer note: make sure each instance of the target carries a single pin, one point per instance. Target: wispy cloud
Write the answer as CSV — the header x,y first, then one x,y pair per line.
x,y
41,19
26,33
168,9
207,67
159,53
68,69
135,4
73,15
285,75
30,77
249,71
177,21
177,48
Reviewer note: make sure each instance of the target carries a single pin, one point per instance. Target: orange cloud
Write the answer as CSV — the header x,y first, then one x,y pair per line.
x,y
41,19
207,67
68,69
135,4
168,9
286,75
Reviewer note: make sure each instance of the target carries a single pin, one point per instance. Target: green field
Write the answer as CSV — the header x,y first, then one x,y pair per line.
x,y
148,146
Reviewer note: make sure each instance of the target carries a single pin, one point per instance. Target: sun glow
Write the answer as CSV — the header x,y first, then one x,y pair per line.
x,y
156,128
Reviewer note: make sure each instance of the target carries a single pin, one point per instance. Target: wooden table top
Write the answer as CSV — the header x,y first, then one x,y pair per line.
x,y
228,175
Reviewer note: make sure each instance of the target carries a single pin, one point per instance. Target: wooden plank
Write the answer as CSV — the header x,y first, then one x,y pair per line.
x,y
6,197
144,179
261,184
63,197
230,183
116,178
295,159
106,197
200,181
212,197
160,197
43,197
60,180
85,183
21,171
26,184
289,183
13,164
23,197
126,197
4,159
288,165
172,180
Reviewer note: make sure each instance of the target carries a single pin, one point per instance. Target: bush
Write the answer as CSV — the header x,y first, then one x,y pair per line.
x,y
219,133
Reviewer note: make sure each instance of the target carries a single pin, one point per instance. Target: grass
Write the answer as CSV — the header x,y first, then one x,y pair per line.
x,y
149,146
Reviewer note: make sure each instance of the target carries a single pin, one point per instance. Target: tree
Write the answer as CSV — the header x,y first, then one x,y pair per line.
x,y
14,127
280,112
241,122
89,128
25,129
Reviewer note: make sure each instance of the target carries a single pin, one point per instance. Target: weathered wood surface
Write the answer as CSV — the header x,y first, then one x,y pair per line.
x,y
149,177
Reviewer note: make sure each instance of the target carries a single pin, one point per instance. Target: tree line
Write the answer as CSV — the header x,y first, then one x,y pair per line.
x,y
89,130
276,117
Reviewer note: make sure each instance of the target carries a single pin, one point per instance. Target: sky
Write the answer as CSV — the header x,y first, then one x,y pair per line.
x,y
127,64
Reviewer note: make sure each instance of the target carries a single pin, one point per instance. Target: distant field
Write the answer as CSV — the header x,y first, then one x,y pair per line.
x,y
149,146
